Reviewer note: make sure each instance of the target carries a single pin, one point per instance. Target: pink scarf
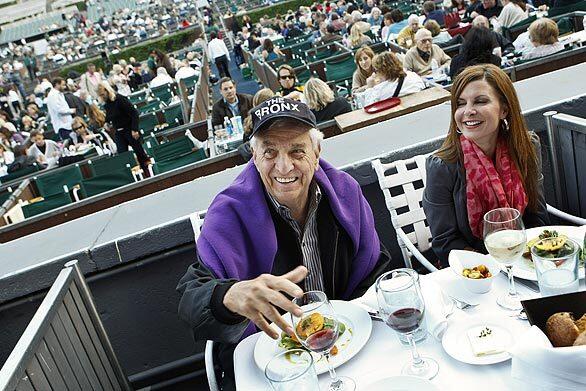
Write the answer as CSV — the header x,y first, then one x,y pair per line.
x,y
490,186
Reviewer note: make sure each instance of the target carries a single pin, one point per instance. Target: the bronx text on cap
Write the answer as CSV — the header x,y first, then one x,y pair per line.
x,y
276,105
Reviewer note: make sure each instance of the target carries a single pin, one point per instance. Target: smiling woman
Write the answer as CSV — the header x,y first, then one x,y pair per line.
x,y
487,161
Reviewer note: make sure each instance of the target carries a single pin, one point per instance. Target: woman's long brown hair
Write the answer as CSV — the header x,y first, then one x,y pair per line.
x,y
517,137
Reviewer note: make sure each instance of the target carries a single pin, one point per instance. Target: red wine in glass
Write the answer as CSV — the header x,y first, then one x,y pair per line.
x,y
405,320
322,340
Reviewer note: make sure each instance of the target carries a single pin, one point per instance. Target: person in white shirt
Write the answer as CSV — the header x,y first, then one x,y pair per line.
x,y
89,81
395,81
120,80
513,12
544,35
218,51
46,152
162,78
59,110
184,71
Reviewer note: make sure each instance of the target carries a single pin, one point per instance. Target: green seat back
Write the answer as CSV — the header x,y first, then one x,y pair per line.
x,y
19,173
113,163
163,93
4,196
106,182
53,182
340,70
173,115
565,25
303,75
148,142
147,122
139,96
190,81
151,106
183,160
49,203
172,149
581,6
320,55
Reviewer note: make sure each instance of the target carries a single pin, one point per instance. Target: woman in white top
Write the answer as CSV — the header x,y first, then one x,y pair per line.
x,y
389,70
120,80
162,78
514,11
46,152
544,35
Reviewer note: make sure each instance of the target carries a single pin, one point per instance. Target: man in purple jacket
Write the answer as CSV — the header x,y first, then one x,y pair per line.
x,y
289,223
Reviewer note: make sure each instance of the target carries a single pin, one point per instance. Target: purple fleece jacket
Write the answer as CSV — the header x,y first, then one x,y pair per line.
x,y
238,238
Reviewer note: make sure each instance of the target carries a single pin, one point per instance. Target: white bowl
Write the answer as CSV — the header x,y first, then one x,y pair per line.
x,y
462,259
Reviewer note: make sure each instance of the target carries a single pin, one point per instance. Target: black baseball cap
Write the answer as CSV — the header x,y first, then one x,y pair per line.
x,y
279,107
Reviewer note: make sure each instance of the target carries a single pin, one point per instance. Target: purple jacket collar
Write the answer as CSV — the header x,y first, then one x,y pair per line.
x,y
238,238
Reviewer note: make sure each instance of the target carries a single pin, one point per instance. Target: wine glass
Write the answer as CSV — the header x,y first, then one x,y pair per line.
x,y
402,307
317,330
505,239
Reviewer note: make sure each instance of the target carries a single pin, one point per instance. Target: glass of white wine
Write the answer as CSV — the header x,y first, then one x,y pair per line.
x,y
505,239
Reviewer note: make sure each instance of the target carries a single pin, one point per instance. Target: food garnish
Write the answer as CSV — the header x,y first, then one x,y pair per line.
x,y
477,272
307,326
484,342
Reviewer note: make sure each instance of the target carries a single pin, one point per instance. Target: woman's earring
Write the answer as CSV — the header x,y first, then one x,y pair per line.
x,y
458,131
506,125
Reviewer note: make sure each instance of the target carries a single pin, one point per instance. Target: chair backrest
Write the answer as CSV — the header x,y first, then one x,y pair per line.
x,y
170,164
65,345
197,222
50,202
164,93
151,106
147,122
173,115
403,190
210,366
20,173
172,149
53,182
109,181
106,165
340,70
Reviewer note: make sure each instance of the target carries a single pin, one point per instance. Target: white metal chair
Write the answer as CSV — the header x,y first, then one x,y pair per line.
x,y
405,207
210,371
405,173
196,219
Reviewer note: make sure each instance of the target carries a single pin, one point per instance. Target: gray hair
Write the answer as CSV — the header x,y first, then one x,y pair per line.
x,y
315,135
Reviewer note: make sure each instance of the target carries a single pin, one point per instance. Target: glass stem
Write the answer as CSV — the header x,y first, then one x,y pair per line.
x,y
336,383
512,289
417,361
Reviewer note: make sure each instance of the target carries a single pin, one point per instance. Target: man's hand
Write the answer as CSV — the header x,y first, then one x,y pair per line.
x,y
256,299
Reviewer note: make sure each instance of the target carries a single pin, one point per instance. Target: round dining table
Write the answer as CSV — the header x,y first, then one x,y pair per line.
x,y
383,355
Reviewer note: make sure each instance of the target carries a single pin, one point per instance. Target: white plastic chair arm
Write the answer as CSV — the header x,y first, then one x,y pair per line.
x,y
415,251
566,216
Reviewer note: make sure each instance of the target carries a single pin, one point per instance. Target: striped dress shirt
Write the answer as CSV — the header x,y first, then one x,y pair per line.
x,y
307,237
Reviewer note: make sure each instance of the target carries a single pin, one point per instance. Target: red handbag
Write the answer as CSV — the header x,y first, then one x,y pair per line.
x,y
382,105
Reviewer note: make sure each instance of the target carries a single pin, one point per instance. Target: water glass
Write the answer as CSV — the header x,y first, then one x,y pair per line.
x,y
292,370
557,272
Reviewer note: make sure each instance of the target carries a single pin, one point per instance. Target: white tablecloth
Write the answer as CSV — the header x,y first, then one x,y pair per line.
x,y
383,356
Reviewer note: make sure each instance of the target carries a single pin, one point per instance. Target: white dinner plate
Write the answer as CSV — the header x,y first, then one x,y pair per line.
x,y
358,329
523,268
402,383
455,340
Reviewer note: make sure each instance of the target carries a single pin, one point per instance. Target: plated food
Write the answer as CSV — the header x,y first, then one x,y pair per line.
x,y
563,330
357,330
312,325
484,341
556,246
477,272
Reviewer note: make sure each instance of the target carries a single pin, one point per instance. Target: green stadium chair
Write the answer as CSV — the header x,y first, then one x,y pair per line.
x,y
139,96
190,82
148,142
565,25
49,203
4,195
148,122
173,115
304,75
163,93
167,165
581,6
53,181
108,181
171,149
340,70
106,165
20,173
150,107
246,73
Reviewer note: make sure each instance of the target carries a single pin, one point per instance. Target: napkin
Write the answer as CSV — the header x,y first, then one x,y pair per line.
x,y
435,307
537,362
